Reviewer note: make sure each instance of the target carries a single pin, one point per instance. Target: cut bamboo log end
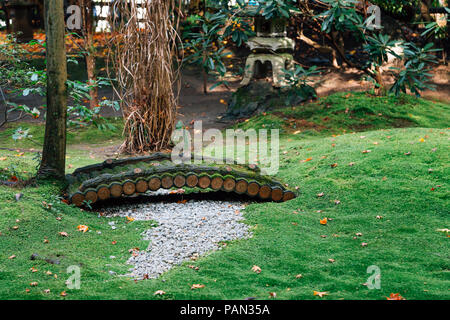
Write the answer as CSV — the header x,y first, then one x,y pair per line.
x,y
154,184
192,181
141,186
241,186
253,189
129,188
229,184
103,193
179,181
116,190
217,183
78,199
277,194
265,192
167,182
288,195
91,196
204,182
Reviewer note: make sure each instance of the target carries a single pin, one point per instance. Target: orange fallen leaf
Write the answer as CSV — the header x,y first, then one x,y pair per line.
x,y
320,293
130,219
63,294
197,286
395,296
83,228
323,221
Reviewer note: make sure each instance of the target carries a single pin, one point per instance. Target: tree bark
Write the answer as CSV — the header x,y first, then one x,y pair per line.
x,y
88,31
54,151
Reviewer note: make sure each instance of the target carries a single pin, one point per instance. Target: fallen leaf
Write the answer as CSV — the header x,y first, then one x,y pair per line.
x,y
12,257
256,269
63,234
33,284
323,221
364,244
395,296
47,291
320,293
320,195
159,293
129,219
331,260
63,294
299,276
197,286
46,205
273,294
82,228
33,269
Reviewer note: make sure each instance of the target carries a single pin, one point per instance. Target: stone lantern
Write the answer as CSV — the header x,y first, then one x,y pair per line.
x,y
271,45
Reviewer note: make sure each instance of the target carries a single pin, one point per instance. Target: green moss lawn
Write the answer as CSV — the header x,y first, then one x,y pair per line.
x,y
376,168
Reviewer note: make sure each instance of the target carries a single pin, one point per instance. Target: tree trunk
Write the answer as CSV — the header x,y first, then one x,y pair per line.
x,y
381,89
54,151
7,17
88,26
205,81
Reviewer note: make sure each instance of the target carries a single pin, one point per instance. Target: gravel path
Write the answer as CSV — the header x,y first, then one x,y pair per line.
x,y
184,232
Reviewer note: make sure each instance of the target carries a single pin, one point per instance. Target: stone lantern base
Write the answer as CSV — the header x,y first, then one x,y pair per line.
x,y
279,63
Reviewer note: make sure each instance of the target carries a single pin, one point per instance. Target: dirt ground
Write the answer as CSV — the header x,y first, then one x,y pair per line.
x,y
195,105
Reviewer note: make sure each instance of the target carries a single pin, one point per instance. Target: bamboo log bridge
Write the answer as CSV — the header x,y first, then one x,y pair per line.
x,y
133,176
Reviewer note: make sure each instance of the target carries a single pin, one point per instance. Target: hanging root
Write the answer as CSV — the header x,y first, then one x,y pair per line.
x,y
143,46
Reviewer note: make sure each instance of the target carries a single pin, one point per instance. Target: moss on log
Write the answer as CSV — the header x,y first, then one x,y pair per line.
x,y
126,177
